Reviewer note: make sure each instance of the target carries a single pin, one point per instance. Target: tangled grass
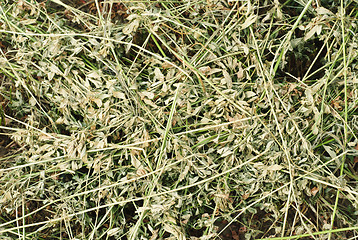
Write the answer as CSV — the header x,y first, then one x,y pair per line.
x,y
178,119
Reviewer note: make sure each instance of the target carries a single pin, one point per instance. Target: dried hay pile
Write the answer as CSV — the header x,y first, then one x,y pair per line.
x,y
178,119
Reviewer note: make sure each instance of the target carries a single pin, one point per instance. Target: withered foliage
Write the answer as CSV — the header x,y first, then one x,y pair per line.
x,y
178,119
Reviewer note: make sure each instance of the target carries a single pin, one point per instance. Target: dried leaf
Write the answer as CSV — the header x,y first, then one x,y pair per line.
x,y
274,167
119,95
316,29
322,11
131,27
314,191
228,79
250,20
158,75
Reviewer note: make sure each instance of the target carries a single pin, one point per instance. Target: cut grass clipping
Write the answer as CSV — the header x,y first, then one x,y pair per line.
x,y
178,119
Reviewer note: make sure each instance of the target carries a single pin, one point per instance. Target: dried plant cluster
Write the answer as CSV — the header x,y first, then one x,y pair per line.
x,y
178,119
